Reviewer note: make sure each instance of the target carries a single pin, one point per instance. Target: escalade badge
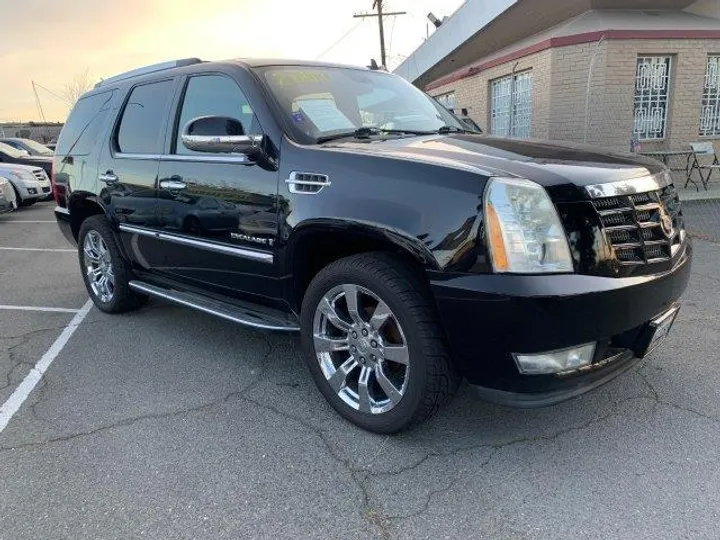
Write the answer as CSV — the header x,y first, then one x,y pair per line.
x,y
666,222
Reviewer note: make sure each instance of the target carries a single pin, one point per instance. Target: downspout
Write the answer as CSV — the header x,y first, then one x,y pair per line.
x,y
587,92
512,100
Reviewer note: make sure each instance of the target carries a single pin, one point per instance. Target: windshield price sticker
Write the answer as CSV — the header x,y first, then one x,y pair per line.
x,y
325,114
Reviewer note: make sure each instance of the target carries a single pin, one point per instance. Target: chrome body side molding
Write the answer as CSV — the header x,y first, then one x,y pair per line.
x,y
260,256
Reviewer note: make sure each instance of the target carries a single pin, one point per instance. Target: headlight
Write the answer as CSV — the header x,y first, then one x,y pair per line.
x,y
524,232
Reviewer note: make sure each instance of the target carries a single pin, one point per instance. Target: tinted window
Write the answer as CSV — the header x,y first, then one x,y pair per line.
x,y
142,126
214,95
82,128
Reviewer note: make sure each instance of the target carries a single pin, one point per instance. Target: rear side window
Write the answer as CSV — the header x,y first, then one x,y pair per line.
x,y
83,126
214,95
142,126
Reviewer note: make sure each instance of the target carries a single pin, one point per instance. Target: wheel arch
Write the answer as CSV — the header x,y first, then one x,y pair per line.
x,y
316,244
82,205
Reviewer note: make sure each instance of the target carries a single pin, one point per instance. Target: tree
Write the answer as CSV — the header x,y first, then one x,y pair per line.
x,y
79,84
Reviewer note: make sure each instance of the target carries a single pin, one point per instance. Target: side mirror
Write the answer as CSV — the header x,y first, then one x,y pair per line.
x,y
219,134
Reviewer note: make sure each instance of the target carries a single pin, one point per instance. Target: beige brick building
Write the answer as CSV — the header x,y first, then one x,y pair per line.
x,y
580,70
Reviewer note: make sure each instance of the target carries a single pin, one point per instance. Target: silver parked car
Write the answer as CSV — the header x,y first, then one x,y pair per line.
x,y
31,184
33,148
8,200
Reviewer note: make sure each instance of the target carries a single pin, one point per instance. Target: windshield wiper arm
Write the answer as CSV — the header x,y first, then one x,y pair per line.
x,y
450,129
366,132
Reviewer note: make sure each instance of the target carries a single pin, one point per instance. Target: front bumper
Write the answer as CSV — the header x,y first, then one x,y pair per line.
x,y
31,189
487,318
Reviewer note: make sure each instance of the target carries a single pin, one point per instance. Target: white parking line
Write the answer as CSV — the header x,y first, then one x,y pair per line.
x,y
21,393
38,308
39,249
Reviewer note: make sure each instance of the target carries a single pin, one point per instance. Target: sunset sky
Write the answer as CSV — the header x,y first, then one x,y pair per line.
x,y
50,42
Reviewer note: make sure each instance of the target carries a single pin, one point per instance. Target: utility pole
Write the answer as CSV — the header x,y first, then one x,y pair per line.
x,y
37,102
378,5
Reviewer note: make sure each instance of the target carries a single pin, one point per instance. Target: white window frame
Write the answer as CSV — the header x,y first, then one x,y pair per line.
x,y
653,78
511,105
710,107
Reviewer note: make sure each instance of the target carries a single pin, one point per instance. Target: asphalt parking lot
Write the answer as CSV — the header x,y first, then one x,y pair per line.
x,y
166,423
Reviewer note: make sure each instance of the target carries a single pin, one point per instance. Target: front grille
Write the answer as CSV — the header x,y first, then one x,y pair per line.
x,y
637,225
39,174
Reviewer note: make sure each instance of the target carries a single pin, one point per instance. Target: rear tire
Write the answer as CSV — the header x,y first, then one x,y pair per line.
x,y
394,310
105,272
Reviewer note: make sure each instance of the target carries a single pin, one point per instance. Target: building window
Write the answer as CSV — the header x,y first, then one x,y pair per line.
x,y
652,88
710,112
511,105
447,100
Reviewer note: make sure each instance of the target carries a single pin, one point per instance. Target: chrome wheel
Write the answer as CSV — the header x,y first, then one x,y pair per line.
x,y
98,266
361,349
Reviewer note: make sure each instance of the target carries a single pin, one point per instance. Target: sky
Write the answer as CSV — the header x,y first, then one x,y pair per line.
x,y
52,42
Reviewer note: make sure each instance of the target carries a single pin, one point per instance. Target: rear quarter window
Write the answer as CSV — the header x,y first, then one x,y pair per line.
x,y
144,117
84,124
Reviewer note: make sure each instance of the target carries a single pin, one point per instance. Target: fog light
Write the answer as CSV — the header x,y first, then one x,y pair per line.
x,y
555,361
32,191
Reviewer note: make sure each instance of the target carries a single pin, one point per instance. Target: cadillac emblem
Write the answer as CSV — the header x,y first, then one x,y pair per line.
x,y
666,222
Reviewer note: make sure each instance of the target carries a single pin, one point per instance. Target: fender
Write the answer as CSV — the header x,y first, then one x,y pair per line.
x,y
377,233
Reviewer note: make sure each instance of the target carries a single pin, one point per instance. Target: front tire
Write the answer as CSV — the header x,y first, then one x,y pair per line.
x,y
22,202
105,273
373,343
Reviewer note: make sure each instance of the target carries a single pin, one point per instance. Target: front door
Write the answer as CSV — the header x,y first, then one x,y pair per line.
x,y
218,211
129,168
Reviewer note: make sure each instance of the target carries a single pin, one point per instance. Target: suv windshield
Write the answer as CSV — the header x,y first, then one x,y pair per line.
x,y
319,102
12,152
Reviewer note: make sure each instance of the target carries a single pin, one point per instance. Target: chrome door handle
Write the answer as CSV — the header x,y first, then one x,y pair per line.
x,y
173,185
108,178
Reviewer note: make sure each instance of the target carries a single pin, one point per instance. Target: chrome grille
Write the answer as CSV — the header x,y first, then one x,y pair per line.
x,y
633,225
39,174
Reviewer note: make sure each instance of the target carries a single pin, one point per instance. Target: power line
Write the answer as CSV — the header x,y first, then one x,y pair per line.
x,y
392,31
346,34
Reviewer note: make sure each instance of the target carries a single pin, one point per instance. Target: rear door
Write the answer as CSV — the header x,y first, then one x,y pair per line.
x,y
129,168
218,211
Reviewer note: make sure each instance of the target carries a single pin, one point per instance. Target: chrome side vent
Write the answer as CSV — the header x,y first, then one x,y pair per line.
x,y
306,183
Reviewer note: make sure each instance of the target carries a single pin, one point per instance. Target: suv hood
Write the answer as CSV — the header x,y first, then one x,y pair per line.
x,y
554,166
38,159
14,167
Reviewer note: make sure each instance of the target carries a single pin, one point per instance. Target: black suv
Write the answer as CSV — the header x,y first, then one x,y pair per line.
x,y
347,205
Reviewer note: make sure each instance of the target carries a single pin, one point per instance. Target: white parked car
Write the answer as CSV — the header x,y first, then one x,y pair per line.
x,y
8,200
31,184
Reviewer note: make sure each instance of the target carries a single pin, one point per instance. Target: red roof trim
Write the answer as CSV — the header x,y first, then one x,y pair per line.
x,y
576,39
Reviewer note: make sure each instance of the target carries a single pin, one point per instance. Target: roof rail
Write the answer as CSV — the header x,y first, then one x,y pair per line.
x,y
149,69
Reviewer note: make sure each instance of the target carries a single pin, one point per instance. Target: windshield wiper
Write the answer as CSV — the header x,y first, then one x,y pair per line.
x,y
450,129
366,132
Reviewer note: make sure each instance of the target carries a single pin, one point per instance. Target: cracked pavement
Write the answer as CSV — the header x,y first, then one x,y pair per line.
x,y
169,424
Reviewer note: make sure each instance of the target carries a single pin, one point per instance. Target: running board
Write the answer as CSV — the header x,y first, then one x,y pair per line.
x,y
255,317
